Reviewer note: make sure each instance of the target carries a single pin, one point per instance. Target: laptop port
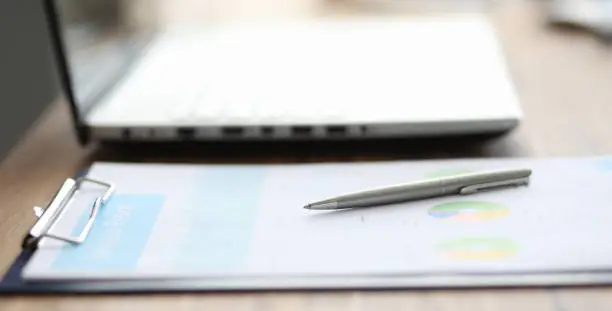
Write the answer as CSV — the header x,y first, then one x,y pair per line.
x,y
336,131
267,131
125,134
186,133
302,131
233,131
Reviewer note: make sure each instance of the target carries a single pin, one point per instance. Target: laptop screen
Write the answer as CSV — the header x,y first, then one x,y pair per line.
x,y
100,40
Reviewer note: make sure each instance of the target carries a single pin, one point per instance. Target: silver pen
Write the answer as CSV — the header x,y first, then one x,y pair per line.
x,y
454,185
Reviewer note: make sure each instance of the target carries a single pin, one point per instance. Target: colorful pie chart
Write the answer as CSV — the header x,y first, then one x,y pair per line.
x,y
468,211
478,248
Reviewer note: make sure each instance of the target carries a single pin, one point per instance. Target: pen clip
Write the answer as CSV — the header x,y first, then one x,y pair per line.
x,y
495,184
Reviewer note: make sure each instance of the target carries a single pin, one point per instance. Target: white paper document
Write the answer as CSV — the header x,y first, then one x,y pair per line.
x,y
199,221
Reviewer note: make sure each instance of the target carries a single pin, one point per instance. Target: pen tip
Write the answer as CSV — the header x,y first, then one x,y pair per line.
x,y
322,205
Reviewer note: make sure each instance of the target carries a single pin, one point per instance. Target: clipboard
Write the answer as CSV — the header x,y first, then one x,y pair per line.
x,y
13,283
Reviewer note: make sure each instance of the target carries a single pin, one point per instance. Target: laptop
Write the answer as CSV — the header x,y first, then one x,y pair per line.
x,y
130,77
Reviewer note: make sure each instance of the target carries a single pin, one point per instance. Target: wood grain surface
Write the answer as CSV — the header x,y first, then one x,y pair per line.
x,y
564,81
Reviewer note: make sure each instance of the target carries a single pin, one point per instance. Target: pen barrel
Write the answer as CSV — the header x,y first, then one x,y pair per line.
x,y
394,195
468,183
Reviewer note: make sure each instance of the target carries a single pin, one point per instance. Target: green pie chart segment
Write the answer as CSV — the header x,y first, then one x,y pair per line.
x,y
468,211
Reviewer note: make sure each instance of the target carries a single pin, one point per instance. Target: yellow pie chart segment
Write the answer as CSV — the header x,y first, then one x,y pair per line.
x,y
479,249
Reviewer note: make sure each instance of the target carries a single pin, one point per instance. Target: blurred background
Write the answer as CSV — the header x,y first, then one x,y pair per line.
x,y
27,72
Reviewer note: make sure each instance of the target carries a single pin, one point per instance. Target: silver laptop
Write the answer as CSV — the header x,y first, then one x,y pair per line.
x,y
130,77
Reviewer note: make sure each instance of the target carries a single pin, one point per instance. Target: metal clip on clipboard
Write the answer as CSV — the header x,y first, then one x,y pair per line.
x,y
48,216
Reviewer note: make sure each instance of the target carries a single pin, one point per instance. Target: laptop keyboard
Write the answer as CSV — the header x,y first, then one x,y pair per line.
x,y
212,110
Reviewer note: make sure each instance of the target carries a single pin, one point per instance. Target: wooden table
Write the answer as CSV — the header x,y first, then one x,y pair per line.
x,y
564,81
